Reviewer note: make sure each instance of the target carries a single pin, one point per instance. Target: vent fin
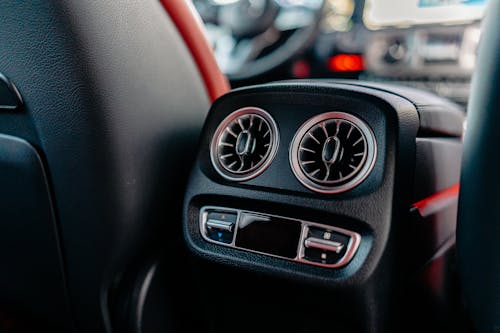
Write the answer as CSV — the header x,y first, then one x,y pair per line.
x,y
333,152
244,144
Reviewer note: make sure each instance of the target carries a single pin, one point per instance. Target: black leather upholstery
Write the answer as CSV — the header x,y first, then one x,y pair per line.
x,y
113,103
478,231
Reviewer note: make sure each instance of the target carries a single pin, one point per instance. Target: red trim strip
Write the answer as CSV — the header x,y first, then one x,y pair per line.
x,y
437,201
191,28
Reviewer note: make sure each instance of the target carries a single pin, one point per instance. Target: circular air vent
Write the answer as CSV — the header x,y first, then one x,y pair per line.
x,y
244,144
333,152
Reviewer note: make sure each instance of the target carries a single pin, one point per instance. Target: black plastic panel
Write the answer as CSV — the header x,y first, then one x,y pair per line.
x,y
374,209
377,209
367,209
290,111
437,165
32,270
271,235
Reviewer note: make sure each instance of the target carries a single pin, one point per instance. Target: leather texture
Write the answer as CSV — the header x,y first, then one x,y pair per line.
x,y
114,103
478,230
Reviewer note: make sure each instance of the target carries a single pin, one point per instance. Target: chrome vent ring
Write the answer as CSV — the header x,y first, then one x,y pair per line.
x,y
244,144
333,152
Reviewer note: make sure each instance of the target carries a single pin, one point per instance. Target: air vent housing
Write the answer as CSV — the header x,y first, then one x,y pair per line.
x,y
244,144
333,152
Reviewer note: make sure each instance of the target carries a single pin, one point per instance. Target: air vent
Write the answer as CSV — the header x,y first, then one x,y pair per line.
x,y
244,144
333,152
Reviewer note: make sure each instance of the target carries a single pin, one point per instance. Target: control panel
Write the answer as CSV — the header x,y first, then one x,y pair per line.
x,y
277,236
439,59
297,179
309,183
433,53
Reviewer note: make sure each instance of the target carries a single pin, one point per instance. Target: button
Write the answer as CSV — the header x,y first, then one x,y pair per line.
x,y
220,226
325,246
229,216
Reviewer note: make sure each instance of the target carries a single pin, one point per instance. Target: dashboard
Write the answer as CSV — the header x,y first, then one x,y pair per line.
x,y
426,44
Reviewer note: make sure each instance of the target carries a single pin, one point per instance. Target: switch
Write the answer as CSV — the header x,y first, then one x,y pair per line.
x,y
281,237
220,225
325,246
229,216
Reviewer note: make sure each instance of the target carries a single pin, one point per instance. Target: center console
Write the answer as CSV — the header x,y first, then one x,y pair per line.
x,y
301,241
314,182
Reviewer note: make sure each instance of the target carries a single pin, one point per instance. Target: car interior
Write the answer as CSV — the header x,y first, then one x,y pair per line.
x,y
250,166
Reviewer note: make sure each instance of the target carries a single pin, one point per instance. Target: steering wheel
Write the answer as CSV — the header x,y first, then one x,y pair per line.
x,y
253,37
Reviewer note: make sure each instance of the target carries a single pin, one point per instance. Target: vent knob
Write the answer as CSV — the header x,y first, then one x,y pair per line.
x,y
333,152
244,144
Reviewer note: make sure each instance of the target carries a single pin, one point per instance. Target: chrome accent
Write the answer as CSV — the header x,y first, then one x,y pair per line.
x,y
352,246
204,223
323,244
222,225
239,154
326,155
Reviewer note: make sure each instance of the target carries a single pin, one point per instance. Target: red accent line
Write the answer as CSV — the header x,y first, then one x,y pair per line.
x,y
190,26
437,201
